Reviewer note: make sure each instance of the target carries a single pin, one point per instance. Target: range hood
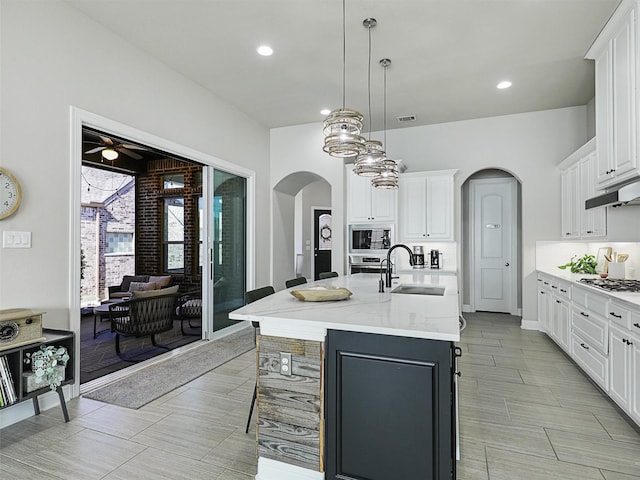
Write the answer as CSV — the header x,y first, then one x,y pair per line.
x,y
627,195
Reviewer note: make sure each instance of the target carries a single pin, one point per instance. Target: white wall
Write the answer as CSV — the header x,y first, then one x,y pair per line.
x,y
299,149
53,57
527,145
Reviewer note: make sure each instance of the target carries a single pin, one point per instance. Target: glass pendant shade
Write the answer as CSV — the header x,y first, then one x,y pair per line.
x,y
342,129
388,175
369,162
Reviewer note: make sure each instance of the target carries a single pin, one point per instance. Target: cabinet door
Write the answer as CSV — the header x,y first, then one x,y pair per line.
x,y
570,202
413,204
389,405
439,207
604,117
383,204
594,220
359,197
619,364
544,309
562,316
624,100
634,408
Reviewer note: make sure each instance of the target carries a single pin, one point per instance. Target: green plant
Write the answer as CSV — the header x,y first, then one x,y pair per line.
x,y
585,264
45,362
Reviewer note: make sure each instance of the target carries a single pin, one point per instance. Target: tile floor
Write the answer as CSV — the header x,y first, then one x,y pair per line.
x,y
526,412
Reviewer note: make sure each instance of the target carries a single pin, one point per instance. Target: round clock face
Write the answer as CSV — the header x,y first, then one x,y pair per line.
x,y
10,193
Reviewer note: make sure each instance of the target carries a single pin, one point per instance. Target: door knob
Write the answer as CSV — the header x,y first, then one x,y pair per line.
x,y
506,264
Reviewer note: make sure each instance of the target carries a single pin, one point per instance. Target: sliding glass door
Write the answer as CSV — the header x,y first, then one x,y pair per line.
x,y
227,255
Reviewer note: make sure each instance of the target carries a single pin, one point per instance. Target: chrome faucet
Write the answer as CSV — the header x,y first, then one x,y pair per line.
x,y
388,278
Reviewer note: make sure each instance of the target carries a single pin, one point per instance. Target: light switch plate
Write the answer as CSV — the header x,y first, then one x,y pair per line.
x,y
16,239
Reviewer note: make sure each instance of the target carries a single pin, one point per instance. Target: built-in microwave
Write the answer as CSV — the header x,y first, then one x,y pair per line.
x,y
370,238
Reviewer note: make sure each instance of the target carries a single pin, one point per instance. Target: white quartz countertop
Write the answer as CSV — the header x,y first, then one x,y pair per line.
x,y
418,316
628,297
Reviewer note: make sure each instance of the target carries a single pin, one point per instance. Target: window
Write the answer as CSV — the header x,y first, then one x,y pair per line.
x,y
118,242
174,180
173,235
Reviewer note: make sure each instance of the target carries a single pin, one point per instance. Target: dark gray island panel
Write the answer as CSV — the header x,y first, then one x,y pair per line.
x,y
389,408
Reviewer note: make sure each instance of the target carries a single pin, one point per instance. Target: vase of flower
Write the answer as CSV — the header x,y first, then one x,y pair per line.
x,y
47,367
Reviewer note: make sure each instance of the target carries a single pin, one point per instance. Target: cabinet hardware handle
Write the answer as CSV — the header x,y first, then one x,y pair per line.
x,y
546,283
539,279
586,347
636,325
629,343
543,293
506,264
558,301
459,374
624,340
563,290
589,231
613,314
568,233
553,286
584,314
427,234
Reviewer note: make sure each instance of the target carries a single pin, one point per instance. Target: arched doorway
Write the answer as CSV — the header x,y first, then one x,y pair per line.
x,y
491,242
295,199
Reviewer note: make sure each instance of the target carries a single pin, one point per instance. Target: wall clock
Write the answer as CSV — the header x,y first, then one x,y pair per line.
x,y
10,194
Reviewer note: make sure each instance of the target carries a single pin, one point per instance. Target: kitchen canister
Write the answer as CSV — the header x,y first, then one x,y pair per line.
x,y
617,270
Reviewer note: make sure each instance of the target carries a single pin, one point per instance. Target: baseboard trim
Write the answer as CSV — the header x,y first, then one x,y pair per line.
x,y
467,308
530,325
273,470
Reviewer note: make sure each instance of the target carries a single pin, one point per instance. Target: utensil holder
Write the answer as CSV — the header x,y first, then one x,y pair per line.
x,y
617,270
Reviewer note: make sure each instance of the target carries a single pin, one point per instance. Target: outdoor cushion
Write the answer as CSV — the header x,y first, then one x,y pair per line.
x,y
127,279
154,293
142,286
162,280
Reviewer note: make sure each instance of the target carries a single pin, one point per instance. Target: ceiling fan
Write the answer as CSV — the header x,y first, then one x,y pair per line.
x,y
111,149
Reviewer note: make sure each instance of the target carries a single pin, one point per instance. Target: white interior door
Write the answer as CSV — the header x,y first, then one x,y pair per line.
x,y
494,238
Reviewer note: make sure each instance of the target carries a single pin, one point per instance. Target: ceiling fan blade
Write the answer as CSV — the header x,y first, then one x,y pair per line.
x,y
129,153
106,140
94,150
129,146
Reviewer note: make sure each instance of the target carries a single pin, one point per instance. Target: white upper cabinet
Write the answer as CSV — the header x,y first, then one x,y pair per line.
x,y
616,62
426,206
579,172
365,203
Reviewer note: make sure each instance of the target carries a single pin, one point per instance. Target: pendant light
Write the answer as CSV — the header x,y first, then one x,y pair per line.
x,y
342,126
369,161
388,174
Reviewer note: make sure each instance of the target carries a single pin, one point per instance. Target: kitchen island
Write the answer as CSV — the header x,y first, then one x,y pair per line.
x,y
359,388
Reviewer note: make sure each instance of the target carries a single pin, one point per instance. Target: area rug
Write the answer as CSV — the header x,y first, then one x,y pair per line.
x,y
150,383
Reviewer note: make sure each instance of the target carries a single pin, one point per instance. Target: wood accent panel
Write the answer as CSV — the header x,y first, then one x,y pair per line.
x,y
291,408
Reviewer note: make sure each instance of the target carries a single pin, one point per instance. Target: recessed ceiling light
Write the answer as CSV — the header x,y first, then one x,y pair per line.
x,y
325,111
265,50
503,85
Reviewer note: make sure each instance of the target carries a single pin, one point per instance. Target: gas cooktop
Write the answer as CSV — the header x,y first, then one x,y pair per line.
x,y
613,284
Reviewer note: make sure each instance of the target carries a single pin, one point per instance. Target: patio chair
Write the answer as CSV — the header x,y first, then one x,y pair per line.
x,y
142,316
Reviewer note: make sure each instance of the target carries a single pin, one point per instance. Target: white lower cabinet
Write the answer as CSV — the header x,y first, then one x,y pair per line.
x,y
561,322
600,332
620,365
593,362
634,408
545,298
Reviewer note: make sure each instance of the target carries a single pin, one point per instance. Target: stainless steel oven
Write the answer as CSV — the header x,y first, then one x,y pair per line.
x,y
370,239
365,263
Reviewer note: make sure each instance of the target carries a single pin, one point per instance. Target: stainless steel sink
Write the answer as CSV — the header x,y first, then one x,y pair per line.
x,y
419,289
